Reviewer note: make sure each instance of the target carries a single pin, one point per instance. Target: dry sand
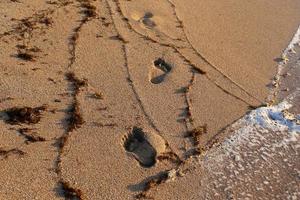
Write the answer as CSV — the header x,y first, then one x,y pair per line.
x,y
133,95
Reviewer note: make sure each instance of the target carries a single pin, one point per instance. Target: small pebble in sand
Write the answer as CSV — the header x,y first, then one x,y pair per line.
x,y
293,51
286,89
275,83
266,182
285,59
237,158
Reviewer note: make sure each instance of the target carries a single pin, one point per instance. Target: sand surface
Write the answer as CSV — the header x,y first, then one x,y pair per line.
x,y
115,99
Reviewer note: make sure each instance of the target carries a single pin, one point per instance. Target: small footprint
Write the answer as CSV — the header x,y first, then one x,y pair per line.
x,y
144,146
147,20
159,71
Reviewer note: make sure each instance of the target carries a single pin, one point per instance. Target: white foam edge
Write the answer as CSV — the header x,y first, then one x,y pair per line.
x,y
295,40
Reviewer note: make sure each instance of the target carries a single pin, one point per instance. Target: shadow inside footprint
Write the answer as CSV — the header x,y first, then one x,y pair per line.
x,y
147,21
160,70
138,145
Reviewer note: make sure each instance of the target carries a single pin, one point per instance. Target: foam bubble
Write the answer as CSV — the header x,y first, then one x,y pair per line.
x,y
272,118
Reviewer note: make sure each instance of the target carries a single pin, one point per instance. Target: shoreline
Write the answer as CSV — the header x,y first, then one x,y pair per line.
x,y
258,154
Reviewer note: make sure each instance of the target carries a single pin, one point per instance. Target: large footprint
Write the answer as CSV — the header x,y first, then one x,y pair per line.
x,y
159,71
145,146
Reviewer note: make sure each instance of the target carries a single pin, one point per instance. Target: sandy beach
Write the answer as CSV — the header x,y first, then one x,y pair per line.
x,y
170,99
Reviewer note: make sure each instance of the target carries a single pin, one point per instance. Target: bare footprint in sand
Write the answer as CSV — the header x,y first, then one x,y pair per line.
x,y
147,20
159,71
145,146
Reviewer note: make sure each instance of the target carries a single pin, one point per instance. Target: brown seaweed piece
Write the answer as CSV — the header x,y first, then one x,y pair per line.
x,y
30,137
77,83
155,181
196,133
70,192
26,115
25,55
75,120
5,153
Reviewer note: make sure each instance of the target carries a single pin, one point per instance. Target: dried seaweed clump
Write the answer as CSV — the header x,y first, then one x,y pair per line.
x,y
70,192
155,181
39,21
77,83
26,115
88,9
25,55
75,120
5,153
196,133
30,137
170,156
46,21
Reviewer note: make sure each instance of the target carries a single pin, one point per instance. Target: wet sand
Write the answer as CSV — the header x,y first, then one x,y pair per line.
x,y
258,157
133,93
